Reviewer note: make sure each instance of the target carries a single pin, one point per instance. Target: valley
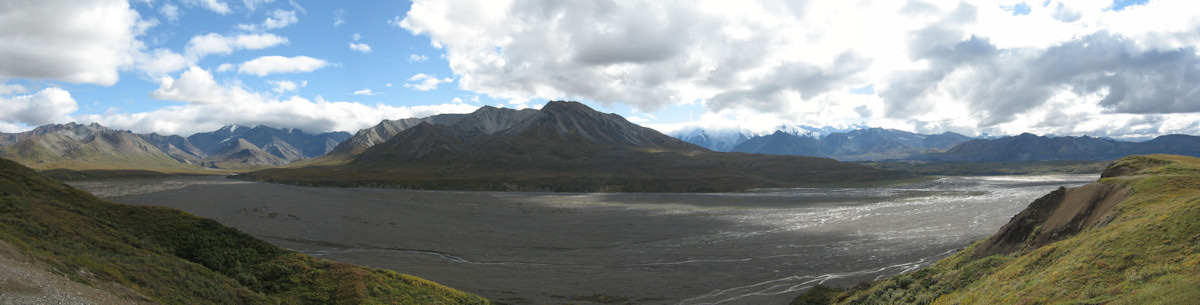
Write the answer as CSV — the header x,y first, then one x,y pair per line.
x,y
535,248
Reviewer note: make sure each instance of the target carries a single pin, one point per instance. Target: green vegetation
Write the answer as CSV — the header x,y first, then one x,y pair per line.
x,y
1144,251
62,174
952,168
612,170
170,257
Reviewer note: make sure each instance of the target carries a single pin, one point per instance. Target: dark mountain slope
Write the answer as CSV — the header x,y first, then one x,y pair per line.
x,y
240,153
781,143
165,256
284,143
565,146
486,120
176,146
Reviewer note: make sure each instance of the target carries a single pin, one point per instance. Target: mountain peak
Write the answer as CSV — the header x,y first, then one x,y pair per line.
x,y
566,106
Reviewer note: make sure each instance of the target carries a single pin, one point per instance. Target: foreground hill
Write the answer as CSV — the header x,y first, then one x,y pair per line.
x,y
1133,237
565,146
165,256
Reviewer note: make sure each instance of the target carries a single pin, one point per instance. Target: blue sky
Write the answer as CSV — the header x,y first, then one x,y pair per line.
x,y
996,67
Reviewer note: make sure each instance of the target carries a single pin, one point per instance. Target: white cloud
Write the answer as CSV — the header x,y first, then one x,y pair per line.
x,y
226,67
360,47
417,58
216,6
356,37
282,86
213,43
208,105
170,11
423,82
298,7
339,17
253,5
160,62
74,41
278,64
277,19
50,105
365,91
936,65
6,89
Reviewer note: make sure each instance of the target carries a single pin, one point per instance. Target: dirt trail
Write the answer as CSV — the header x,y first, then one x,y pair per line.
x,y
23,282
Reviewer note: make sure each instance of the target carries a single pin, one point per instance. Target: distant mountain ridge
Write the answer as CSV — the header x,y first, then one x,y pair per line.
x,y
855,145
84,146
724,139
878,144
1029,147
93,146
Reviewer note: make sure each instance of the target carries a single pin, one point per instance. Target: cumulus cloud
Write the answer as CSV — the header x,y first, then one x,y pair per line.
x,y
423,82
214,43
935,65
365,91
278,64
647,54
417,58
6,89
208,105
160,62
50,105
360,47
73,41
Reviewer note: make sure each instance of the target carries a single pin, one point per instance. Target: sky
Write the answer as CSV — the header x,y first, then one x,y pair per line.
x,y
1120,69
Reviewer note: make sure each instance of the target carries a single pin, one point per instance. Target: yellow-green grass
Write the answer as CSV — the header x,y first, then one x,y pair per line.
x,y
168,256
1148,254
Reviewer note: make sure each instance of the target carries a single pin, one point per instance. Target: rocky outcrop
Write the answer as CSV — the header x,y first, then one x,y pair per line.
x,y
1056,216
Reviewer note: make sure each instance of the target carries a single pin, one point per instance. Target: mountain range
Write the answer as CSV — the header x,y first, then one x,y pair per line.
x,y
84,147
725,139
878,144
93,146
490,133
855,145
1029,147
564,146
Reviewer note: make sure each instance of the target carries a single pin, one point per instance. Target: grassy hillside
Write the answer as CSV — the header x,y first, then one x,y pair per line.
x,y
1131,238
166,256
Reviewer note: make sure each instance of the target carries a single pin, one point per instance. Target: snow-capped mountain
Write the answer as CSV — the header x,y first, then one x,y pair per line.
x,y
725,139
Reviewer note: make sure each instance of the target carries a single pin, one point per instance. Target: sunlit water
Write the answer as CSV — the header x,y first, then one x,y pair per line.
x,y
761,247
